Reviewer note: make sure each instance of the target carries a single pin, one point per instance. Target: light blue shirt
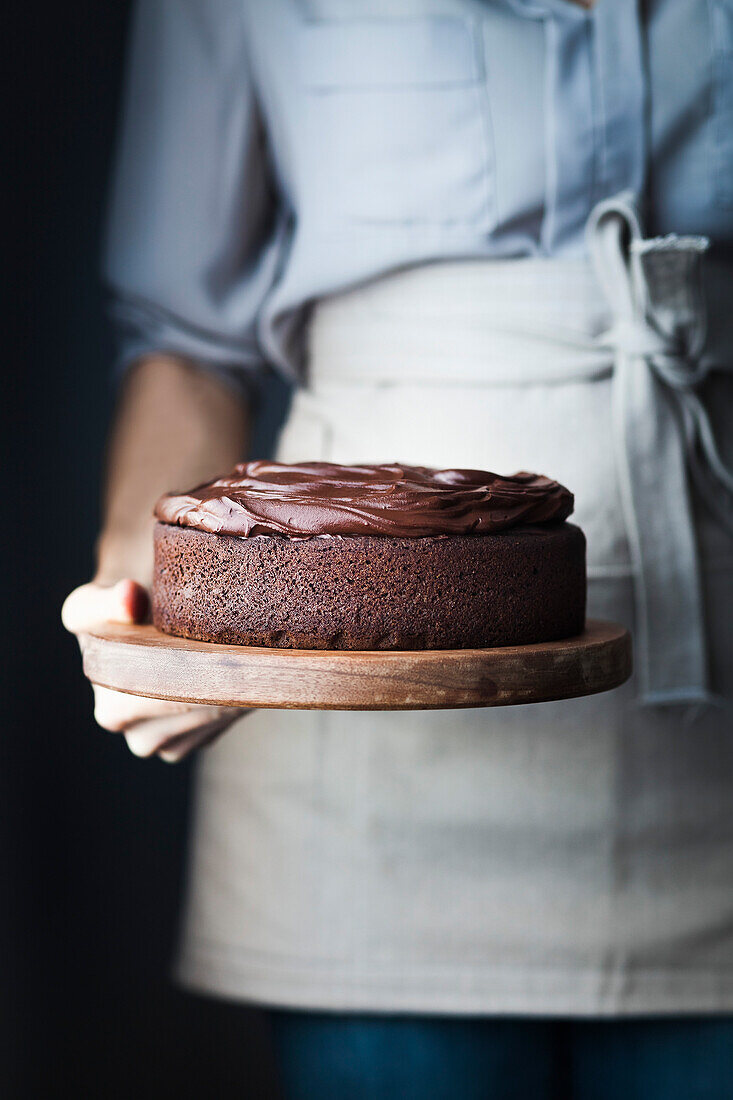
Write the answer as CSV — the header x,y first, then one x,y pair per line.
x,y
277,151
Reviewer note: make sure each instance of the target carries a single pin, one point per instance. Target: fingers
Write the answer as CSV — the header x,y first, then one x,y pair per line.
x,y
125,602
115,711
155,726
147,736
175,750
173,739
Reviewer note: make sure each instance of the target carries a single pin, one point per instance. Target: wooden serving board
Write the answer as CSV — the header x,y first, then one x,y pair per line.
x,y
142,661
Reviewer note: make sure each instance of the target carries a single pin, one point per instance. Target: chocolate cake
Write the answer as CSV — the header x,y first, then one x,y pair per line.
x,y
321,556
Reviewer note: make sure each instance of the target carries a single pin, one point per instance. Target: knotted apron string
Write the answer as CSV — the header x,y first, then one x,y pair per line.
x,y
662,433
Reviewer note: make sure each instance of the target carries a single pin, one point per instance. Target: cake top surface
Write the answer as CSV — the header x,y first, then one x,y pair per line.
x,y
323,498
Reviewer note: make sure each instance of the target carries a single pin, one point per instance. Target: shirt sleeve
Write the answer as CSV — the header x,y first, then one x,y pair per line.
x,y
191,244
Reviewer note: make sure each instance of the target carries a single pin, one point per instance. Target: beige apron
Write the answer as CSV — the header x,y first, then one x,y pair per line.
x,y
573,857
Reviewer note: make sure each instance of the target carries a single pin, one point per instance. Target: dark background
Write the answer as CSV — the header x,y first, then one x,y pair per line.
x,y
92,840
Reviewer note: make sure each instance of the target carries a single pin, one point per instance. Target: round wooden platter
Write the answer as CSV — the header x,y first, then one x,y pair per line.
x,y
141,660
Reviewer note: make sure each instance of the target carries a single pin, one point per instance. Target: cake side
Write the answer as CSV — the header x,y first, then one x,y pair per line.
x,y
524,585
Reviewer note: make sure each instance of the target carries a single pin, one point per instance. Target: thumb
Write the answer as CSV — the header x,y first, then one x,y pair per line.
x,y
90,604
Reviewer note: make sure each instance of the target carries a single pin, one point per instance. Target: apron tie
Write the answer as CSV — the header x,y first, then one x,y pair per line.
x,y
662,435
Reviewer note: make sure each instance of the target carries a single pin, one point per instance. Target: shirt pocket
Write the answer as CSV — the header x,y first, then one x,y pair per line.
x,y
721,31
398,122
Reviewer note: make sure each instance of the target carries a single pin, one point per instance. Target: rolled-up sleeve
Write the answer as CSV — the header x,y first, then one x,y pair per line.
x,y
191,243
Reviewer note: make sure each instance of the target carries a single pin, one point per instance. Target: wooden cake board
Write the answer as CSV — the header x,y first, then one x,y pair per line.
x,y
141,660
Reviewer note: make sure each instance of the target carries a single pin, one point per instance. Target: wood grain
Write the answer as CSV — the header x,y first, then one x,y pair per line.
x,y
142,661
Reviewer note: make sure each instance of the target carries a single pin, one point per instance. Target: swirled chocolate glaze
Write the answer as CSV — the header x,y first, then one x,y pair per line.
x,y
322,498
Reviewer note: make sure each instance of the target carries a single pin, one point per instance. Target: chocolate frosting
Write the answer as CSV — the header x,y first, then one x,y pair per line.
x,y
322,498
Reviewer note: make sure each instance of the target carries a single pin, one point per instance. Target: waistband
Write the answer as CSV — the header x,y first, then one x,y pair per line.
x,y
496,322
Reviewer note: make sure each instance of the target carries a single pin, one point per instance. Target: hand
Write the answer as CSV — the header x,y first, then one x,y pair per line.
x,y
151,726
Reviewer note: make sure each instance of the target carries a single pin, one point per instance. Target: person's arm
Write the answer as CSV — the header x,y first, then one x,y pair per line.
x,y
191,246
175,426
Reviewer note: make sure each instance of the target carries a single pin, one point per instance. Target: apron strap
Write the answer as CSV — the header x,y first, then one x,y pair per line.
x,y
662,434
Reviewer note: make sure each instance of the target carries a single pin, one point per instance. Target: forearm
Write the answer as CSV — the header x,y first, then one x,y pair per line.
x,y
174,426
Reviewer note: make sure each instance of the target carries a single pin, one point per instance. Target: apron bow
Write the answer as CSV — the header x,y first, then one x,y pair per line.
x,y
663,438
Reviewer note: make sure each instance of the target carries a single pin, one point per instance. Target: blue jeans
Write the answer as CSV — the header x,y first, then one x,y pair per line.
x,y
325,1056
